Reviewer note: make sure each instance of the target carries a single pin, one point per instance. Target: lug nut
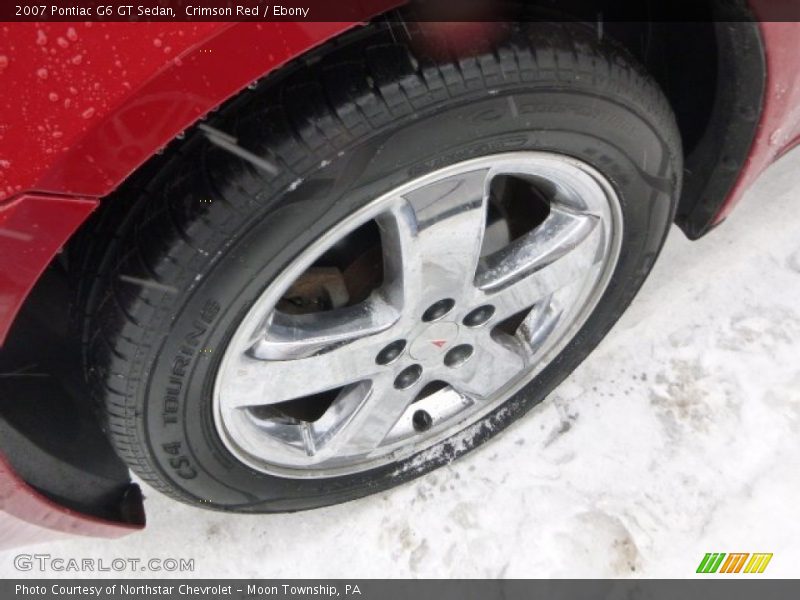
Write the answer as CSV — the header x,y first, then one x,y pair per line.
x,y
408,377
438,309
390,353
479,316
421,421
458,356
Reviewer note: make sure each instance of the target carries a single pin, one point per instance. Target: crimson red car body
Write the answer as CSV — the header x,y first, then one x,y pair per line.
x,y
85,104
36,518
78,128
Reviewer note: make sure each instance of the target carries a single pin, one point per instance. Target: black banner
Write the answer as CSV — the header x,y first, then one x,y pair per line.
x,y
407,10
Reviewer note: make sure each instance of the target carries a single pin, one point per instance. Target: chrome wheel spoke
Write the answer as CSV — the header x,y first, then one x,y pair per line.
x,y
557,253
260,382
296,336
432,238
367,425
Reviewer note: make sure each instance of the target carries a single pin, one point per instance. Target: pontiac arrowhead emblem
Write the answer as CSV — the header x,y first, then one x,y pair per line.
x,y
438,343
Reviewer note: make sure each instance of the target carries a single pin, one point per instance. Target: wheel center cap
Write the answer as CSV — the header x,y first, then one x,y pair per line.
x,y
434,341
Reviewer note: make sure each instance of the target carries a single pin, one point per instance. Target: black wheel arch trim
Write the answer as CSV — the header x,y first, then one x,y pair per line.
x,y
714,166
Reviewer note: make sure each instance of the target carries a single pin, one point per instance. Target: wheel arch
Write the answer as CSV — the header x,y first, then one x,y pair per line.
x,y
714,74
97,149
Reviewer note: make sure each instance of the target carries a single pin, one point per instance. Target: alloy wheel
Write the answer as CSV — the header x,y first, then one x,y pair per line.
x,y
487,269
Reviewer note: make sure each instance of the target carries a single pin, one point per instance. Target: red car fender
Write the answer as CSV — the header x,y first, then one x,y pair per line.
x,y
96,100
32,229
36,518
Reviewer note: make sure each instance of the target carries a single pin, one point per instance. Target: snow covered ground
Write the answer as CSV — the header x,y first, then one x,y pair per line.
x,y
679,436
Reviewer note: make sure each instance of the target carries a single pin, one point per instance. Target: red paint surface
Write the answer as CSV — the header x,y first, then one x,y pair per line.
x,y
32,230
92,101
36,518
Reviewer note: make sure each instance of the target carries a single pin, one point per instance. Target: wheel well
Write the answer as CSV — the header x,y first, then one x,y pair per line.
x,y
708,59
713,73
48,430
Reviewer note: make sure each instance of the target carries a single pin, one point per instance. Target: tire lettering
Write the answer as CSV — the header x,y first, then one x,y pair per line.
x,y
180,464
183,360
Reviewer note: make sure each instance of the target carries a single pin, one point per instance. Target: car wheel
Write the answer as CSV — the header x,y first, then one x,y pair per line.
x,y
374,261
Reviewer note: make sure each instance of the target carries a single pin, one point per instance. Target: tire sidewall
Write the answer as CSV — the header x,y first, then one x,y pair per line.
x,y
607,133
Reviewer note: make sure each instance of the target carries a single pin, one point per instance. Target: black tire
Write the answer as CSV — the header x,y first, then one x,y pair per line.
x,y
211,231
